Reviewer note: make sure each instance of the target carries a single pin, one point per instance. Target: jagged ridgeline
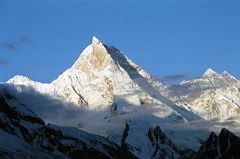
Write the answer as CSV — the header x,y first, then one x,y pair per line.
x,y
133,114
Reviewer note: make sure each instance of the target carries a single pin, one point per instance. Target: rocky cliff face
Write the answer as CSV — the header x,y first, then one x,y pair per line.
x,y
163,146
224,146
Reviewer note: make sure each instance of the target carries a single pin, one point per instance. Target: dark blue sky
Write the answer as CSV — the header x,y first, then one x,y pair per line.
x,y
171,39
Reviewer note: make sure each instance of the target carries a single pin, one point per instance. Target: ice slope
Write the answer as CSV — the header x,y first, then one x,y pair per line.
x,y
13,147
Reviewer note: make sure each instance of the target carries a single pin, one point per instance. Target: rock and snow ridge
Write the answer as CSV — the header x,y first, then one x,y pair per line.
x,y
211,96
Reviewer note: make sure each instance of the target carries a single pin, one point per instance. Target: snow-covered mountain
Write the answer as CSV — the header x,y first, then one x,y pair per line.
x,y
103,77
105,93
211,96
109,74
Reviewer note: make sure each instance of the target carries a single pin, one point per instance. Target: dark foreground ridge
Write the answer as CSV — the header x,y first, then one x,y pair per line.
x,y
224,146
37,140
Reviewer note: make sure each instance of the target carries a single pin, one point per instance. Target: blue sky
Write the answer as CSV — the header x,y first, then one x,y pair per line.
x,y
171,39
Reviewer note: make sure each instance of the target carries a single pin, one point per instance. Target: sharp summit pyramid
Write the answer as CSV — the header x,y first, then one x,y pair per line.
x,y
108,73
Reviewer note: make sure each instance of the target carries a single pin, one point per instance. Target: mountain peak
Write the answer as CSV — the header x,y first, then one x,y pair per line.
x,y
94,57
108,73
229,77
19,79
95,41
226,74
209,71
212,75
